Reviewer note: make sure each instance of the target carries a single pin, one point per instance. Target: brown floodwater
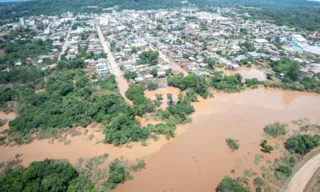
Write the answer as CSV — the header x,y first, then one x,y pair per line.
x,y
246,73
8,117
123,86
163,91
198,158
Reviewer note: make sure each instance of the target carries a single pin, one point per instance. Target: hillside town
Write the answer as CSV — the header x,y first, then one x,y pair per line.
x,y
226,101
186,40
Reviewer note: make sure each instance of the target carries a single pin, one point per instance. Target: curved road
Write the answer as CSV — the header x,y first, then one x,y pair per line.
x,y
301,178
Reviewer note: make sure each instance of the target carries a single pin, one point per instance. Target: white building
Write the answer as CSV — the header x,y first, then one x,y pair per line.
x,y
104,20
298,38
21,19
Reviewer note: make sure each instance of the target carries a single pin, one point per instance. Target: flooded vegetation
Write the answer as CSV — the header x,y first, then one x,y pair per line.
x,y
6,118
246,73
199,157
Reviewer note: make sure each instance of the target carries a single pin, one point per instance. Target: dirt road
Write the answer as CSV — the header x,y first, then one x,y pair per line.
x,y
301,178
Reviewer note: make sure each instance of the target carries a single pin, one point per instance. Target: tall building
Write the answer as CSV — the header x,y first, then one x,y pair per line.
x,y
152,16
21,19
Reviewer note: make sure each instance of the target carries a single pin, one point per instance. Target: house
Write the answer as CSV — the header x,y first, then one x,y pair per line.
x,y
260,41
311,49
233,47
203,65
139,79
102,69
232,66
148,77
315,68
254,55
89,61
161,74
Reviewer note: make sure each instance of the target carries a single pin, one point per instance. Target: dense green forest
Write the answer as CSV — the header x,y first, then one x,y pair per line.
x,y
300,17
294,13
60,175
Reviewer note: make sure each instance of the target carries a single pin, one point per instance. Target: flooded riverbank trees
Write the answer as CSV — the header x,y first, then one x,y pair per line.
x,y
232,83
276,129
197,83
294,79
302,144
229,184
70,100
60,175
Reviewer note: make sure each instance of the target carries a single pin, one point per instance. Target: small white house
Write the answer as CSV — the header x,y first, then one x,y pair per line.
x,y
161,74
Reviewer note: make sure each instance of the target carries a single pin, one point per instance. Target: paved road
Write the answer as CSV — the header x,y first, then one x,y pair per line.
x,y
301,178
111,64
166,59
65,44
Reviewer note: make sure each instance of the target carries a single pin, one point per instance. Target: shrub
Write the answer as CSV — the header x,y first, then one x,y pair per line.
x,y
257,159
229,184
118,173
259,182
276,129
140,165
266,148
283,170
152,86
233,144
249,173
3,122
252,82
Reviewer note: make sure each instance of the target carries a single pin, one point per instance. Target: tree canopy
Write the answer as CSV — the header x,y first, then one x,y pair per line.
x,y
232,185
149,57
47,175
195,82
302,144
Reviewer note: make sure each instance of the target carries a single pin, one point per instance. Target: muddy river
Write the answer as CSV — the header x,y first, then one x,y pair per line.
x,y
198,158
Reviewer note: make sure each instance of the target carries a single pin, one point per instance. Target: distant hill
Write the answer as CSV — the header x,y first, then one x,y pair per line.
x,y
303,3
48,7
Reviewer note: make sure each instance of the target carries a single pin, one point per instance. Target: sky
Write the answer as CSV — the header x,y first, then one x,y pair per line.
x,y
1,1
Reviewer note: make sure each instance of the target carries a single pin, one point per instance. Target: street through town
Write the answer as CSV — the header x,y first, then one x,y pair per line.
x,y
111,63
65,44
113,66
